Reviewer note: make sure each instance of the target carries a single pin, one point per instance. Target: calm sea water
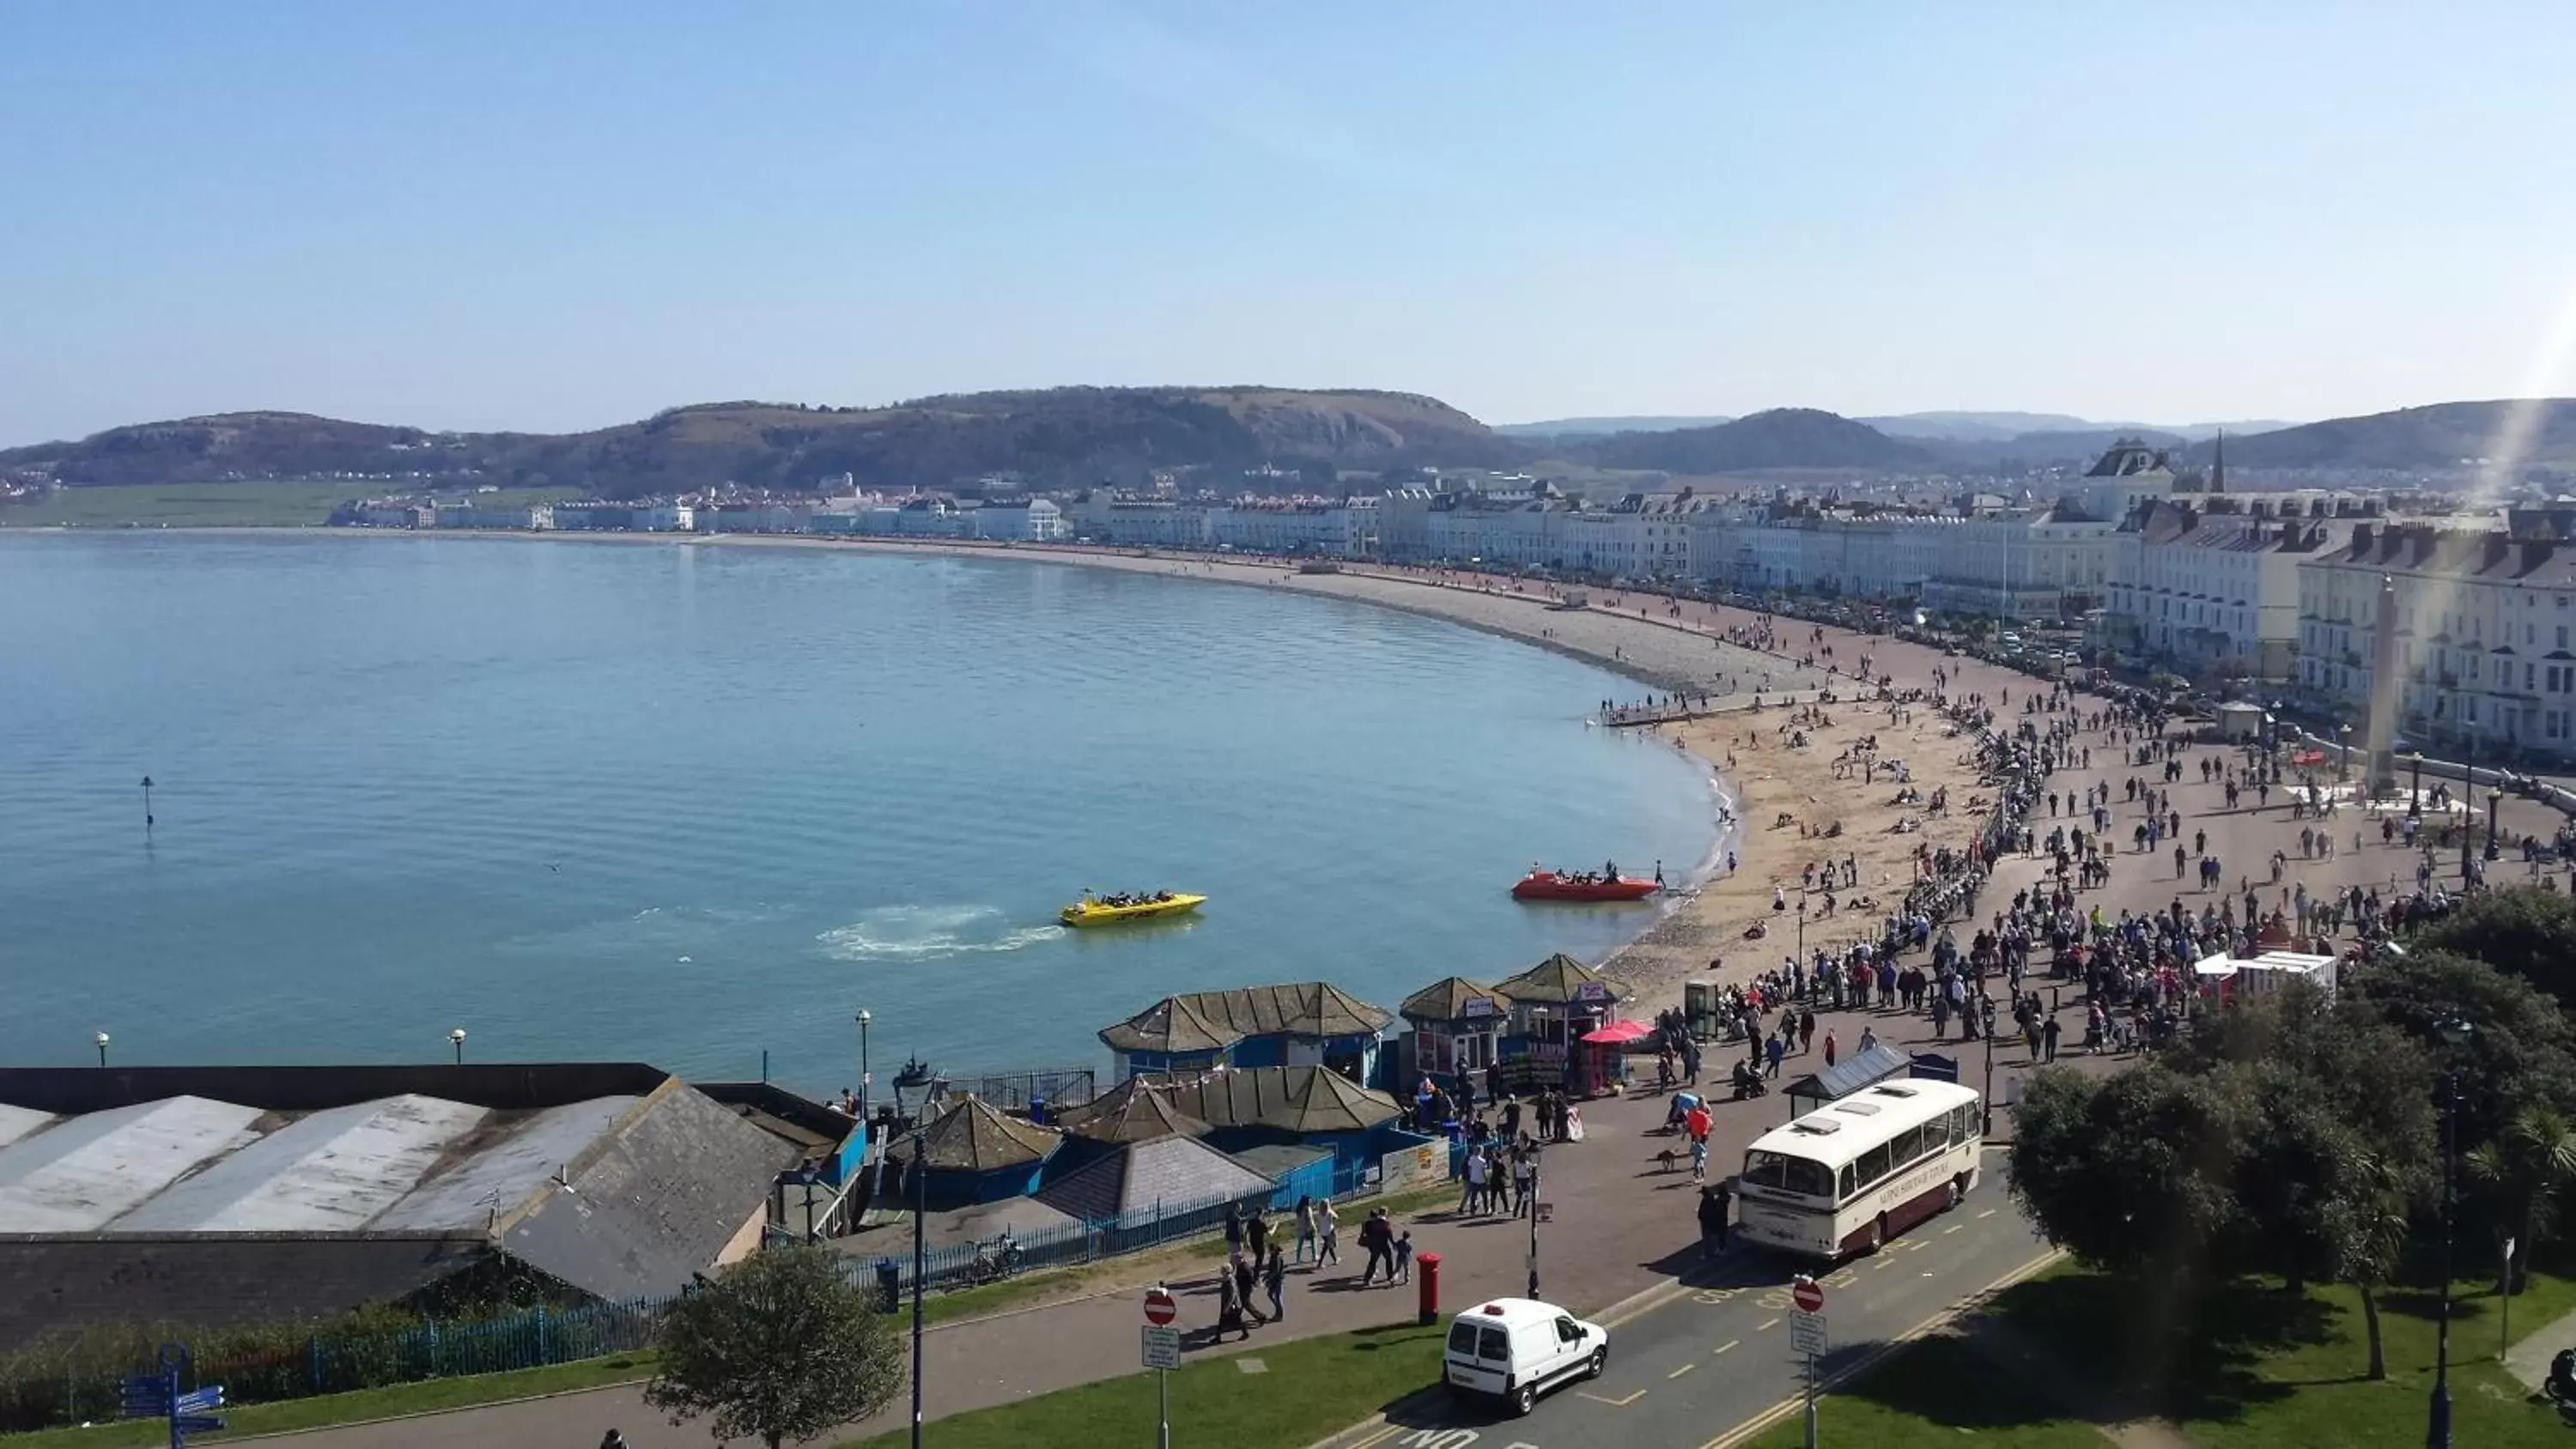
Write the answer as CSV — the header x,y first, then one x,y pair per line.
x,y
685,804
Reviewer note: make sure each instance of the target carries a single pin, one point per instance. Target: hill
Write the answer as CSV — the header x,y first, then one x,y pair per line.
x,y
1780,438
1958,427
1057,436
1587,427
2439,438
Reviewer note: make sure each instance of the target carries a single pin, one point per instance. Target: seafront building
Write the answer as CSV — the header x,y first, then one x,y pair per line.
x,y
2467,634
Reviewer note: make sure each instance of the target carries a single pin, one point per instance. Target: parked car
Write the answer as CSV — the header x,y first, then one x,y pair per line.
x,y
1515,1349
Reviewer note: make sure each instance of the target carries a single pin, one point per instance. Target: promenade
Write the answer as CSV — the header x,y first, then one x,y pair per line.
x,y
1623,1224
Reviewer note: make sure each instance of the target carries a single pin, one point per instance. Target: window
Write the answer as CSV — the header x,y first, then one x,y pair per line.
x,y
1802,1175
1873,1164
1566,1332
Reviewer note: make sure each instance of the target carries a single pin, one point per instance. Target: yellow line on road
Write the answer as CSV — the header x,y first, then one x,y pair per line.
x,y
1380,1437
1730,1343
1685,1368
1766,1326
1871,1360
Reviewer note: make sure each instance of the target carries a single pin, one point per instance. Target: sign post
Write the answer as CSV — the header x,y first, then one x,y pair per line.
x,y
2506,1298
1807,1336
156,1396
1162,1355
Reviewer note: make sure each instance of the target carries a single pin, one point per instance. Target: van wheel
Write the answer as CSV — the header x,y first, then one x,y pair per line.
x,y
1599,1365
1524,1399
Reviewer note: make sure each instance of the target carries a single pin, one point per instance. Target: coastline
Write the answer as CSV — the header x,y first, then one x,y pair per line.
x,y
1783,797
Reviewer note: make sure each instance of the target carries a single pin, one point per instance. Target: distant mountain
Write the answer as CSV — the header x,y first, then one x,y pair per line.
x,y
2442,437
2010,427
1059,436
1780,438
1584,427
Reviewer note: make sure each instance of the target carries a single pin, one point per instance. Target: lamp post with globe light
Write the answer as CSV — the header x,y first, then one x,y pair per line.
x,y
456,1039
102,1048
2455,1031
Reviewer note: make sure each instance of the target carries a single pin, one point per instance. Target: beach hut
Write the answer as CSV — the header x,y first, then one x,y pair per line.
x,y
1309,1023
977,1153
1553,1004
1457,1027
1312,1106
1160,1186
1136,1110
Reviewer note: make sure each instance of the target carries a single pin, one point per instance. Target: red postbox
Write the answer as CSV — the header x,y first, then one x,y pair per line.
x,y
1426,1267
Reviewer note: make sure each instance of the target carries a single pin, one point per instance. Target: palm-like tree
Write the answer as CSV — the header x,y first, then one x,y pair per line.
x,y
2527,1165
2367,1225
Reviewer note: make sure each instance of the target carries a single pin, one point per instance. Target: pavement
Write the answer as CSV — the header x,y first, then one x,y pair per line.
x,y
1708,1354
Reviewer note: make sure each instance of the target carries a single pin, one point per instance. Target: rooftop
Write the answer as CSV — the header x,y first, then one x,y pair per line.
x,y
1209,1021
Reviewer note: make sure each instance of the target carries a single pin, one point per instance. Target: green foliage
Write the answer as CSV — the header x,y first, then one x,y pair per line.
x,y
2527,1166
2521,1051
783,1345
2280,1137
2524,932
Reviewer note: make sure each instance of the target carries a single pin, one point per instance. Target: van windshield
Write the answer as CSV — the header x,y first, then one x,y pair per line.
x,y
1802,1175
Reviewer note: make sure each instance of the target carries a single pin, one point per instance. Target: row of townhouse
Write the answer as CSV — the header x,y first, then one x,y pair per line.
x,y
1340,527
1528,524
2452,636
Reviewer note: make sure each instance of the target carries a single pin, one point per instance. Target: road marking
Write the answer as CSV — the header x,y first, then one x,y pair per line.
x,y
1953,1228
1380,1437
1723,1347
1990,1212
1685,1368
1783,1409
1766,1325
1614,1403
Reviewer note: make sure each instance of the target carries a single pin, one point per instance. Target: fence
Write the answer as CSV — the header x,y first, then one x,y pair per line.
x,y
1058,1087
953,1265
255,1365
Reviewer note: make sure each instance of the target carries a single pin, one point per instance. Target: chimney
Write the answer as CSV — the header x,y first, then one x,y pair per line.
x,y
2360,539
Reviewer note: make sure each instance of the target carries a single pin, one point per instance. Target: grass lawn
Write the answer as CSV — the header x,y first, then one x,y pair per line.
x,y
268,502
349,1408
1308,1389
2264,1370
1937,1391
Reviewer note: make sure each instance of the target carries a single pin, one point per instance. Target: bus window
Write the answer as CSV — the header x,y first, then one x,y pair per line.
x,y
1808,1176
1873,1164
1847,1180
1905,1146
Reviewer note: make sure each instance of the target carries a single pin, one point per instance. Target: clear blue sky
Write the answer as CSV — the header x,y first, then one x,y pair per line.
x,y
549,216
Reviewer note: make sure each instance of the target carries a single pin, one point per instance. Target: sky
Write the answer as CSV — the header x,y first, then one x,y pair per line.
x,y
555,216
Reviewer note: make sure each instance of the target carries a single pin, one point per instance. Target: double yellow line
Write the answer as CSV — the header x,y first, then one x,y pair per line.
x,y
1874,1357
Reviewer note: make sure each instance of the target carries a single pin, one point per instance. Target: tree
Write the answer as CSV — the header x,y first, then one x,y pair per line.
x,y
2527,1166
2132,1173
2529,933
2369,1231
2521,1050
782,1345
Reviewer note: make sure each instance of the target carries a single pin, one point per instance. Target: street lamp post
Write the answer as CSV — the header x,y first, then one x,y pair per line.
x,y
1532,1206
920,1267
2437,1430
2468,806
2415,790
2343,766
864,1018
2491,814
456,1039
102,1049
1978,1006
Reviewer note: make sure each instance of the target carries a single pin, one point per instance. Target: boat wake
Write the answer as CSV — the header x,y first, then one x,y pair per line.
x,y
929,933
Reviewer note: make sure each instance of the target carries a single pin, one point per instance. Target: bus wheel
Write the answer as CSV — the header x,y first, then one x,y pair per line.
x,y
1877,1235
1958,1192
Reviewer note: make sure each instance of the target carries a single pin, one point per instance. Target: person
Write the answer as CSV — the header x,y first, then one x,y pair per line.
x,y
1377,1241
1229,1307
1524,1181
1305,1227
1329,1224
1247,1271
614,1440
1234,1227
1274,1277
1712,1222
1256,1235
2561,1381
1404,1256
1472,1199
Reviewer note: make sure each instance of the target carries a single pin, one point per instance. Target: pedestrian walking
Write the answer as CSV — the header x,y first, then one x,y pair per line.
x,y
1377,1240
1472,1198
1712,1223
1328,1224
1274,1277
1305,1227
1229,1307
1404,1256
1247,1273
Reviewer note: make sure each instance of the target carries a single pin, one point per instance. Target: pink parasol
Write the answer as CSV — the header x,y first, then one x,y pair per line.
x,y
1618,1032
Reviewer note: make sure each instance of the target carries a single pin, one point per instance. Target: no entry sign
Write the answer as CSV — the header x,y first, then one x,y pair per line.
x,y
1160,1307
1809,1295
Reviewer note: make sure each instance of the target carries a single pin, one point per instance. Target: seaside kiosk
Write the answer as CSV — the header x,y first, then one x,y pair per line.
x,y
1553,1005
1458,1027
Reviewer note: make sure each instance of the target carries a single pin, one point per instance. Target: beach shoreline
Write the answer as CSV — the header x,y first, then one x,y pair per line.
x,y
1717,920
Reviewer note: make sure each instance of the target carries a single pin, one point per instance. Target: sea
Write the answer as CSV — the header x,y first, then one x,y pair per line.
x,y
698,806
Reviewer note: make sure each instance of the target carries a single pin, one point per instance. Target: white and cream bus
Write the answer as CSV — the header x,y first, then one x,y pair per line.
x,y
1847,1177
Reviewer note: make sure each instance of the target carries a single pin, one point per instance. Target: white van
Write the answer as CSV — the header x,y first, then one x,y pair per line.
x,y
1515,1349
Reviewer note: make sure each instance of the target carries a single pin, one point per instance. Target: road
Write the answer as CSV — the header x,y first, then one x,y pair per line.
x,y
1708,1358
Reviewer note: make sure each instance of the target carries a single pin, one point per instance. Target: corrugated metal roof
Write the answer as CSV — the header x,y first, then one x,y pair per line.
x,y
502,1173
83,1173
330,1172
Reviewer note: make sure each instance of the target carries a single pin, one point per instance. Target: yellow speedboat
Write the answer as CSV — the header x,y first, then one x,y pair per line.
x,y
1094,910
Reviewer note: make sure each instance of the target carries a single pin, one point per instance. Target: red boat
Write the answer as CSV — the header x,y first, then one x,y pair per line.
x,y
1548,885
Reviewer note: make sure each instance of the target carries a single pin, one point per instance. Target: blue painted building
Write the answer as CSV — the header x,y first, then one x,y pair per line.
x,y
1309,1024
977,1153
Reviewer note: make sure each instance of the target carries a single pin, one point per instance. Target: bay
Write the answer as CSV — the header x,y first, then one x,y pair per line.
x,y
687,804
